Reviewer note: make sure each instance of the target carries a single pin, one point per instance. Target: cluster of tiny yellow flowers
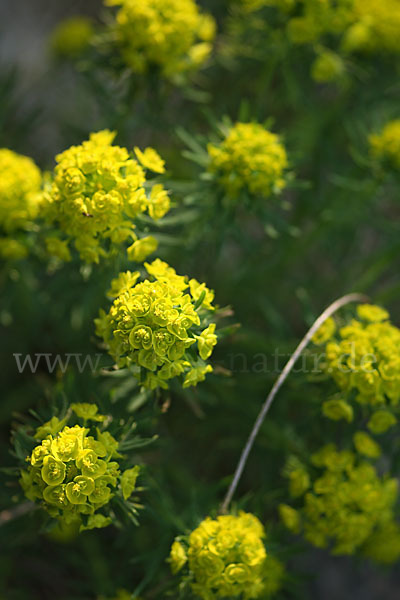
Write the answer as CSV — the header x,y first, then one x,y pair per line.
x,y
72,36
172,35
384,545
226,557
365,26
20,197
375,26
73,474
346,504
328,66
325,332
385,146
97,191
156,324
364,360
251,159
317,19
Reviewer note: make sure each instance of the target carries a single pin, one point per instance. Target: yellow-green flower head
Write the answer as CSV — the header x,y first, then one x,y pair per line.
x,y
363,357
384,545
328,66
299,478
160,325
72,36
375,27
366,26
385,146
250,158
325,332
226,557
314,20
140,249
171,35
347,502
74,474
381,421
20,198
365,445
337,409
97,192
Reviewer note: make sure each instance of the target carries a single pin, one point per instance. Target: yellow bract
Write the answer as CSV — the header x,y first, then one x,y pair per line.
x,y
226,557
325,332
384,545
141,249
155,324
348,502
249,158
365,445
363,25
376,26
97,192
150,159
328,66
73,474
385,146
364,357
337,409
72,36
169,34
354,26
20,199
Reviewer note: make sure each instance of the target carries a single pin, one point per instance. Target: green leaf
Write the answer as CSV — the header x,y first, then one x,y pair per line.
x,y
96,522
128,481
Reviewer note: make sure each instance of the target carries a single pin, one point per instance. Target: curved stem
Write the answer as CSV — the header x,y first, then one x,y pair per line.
x,y
276,387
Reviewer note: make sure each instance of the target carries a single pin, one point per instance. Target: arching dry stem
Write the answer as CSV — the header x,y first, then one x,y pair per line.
x,y
276,387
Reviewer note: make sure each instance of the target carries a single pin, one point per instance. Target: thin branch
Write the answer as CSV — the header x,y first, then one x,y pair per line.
x,y
276,387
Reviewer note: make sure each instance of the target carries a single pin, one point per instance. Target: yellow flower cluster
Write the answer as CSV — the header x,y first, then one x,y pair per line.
x,y
384,545
20,197
375,26
171,35
72,474
250,158
345,505
328,66
363,25
364,361
325,332
72,36
155,324
97,191
366,26
317,19
226,557
385,146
